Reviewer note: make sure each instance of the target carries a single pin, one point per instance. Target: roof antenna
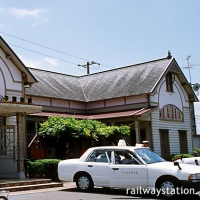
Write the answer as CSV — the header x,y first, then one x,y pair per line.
x,y
169,55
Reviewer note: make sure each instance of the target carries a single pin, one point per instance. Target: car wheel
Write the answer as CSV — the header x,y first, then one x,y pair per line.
x,y
168,188
84,183
3,198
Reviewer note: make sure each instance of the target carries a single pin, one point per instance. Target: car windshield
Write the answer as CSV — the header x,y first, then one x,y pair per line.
x,y
148,156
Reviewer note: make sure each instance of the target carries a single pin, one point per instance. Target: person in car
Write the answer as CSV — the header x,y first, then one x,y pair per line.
x,y
117,159
128,159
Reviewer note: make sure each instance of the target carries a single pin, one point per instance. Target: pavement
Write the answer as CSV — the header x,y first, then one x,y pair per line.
x,y
66,185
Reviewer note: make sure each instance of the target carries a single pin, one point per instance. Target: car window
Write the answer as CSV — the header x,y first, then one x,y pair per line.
x,y
100,156
149,156
125,157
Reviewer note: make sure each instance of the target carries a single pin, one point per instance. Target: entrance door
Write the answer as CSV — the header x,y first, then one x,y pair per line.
x,y
7,152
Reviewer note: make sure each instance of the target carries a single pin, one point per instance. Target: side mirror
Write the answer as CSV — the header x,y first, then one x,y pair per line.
x,y
196,162
177,164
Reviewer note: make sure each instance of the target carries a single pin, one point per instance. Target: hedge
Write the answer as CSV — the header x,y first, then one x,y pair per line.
x,y
43,168
178,156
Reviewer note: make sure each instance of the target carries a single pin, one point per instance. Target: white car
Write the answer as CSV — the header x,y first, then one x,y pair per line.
x,y
136,169
192,160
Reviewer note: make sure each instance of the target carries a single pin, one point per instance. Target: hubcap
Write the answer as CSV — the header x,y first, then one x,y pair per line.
x,y
168,188
83,182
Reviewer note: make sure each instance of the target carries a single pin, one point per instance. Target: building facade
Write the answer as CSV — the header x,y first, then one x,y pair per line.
x,y
154,98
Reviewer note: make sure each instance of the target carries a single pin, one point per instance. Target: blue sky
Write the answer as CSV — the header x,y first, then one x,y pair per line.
x,y
113,33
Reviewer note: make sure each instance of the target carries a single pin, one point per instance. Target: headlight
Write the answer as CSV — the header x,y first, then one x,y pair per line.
x,y
194,176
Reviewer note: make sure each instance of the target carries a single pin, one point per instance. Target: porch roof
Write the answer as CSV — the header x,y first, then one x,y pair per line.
x,y
130,113
10,109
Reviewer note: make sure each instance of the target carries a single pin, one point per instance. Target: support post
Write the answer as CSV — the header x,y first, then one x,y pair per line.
x,y
137,131
20,145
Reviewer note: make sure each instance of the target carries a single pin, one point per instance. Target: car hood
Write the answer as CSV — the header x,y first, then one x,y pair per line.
x,y
169,166
193,160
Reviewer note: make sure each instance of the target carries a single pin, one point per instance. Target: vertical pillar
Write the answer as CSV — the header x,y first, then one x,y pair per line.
x,y
20,145
137,131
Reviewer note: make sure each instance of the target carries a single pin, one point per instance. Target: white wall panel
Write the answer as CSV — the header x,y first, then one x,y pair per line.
x,y
114,102
60,103
136,99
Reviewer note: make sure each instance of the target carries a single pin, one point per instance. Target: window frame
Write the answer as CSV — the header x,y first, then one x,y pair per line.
x,y
98,151
171,112
183,141
169,82
164,142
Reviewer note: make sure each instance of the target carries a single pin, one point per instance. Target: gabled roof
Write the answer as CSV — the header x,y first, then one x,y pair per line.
x,y
56,85
120,82
126,81
10,54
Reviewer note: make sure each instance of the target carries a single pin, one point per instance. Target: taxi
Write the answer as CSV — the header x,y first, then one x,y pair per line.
x,y
129,167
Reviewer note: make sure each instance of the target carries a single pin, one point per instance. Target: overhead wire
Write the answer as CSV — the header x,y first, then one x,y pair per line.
x,y
42,54
49,49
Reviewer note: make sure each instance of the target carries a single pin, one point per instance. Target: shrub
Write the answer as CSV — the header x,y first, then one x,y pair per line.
x,y
43,168
196,151
169,157
178,156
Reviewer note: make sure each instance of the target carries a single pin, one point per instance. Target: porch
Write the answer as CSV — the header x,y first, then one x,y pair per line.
x,y
12,138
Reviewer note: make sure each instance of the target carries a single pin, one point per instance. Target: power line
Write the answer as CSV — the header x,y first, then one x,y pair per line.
x,y
43,54
49,49
44,46
87,66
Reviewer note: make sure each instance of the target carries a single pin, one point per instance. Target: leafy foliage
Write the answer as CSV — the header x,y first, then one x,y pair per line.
x,y
43,168
85,128
196,151
179,156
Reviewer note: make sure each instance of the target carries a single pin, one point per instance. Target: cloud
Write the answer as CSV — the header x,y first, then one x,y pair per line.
x,y
36,14
22,13
51,61
45,63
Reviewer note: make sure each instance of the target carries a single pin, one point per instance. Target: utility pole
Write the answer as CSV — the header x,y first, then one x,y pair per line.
x,y
87,65
188,57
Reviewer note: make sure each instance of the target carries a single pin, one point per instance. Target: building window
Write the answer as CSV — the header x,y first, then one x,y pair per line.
x,y
171,112
31,131
169,82
183,141
2,121
164,143
32,128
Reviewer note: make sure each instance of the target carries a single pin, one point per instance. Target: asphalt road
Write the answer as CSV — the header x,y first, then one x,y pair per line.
x,y
73,194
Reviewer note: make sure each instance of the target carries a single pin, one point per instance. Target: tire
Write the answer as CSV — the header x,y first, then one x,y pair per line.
x,y
84,183
168,188
3,198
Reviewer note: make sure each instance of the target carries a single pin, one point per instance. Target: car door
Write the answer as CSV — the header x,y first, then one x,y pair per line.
x,y
128,175
97,165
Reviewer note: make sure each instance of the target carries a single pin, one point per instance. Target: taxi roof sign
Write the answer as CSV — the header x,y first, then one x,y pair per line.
x,y
122,143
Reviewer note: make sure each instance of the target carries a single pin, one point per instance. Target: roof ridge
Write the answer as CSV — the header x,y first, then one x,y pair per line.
x,y
53,72
82,90
117,68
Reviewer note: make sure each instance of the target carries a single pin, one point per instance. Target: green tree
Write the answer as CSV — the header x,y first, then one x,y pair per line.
x,y
85,128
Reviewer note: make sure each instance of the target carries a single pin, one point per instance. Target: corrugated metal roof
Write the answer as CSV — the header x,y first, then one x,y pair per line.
x,y
126,81
55,85
129,113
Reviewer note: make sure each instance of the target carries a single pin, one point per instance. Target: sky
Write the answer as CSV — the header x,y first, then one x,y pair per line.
x,y
60,35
